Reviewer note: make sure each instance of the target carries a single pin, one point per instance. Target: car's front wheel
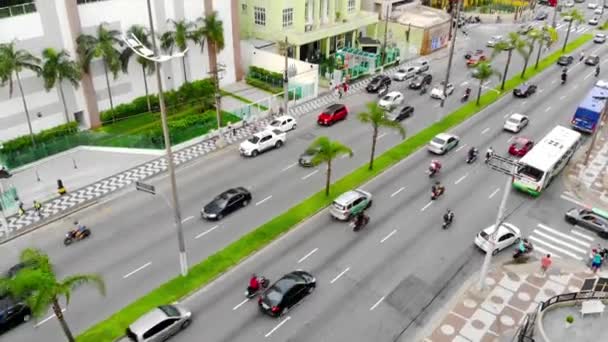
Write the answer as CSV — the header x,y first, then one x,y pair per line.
x,y
245,203
186,324
278,144
254,153
494,252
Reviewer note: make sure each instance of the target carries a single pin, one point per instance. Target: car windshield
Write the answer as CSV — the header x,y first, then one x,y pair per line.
x,y
483,234
275,123
402,71
388,98
169,310
530,172
519,144
513,121
339,206
253,139
418,79
438,141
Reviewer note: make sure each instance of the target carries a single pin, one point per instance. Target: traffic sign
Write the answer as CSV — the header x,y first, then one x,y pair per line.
x,y
141,186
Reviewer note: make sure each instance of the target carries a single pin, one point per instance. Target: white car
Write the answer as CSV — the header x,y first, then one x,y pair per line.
x,y
442,143
405,73
437,92
506,236
593,21
569,4
598,11
592,5
391,100
422,65
599,38
262,141
516,122
493,40
283,123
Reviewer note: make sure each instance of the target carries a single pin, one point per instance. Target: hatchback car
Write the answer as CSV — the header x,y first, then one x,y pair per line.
x,y
599,38
493,41
592,60
306,158
379,81
420,80
159,324
332,114
286,292
225,203
524,90
400,114
422,65
391,100
565,60
283,123
593,21
442,143
516,122
437,91
593,219
349,203
520,146
506,236
12,313
405,73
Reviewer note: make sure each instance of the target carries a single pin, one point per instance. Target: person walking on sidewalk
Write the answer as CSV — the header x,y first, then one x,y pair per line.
x,y
340,92
60,188
38,208
21,211
345,87
545,263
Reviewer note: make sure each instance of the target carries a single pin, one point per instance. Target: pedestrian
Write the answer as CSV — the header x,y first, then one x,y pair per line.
x,y
339,91
345,87
21,211
597,70
281,111
596,263
38,208
230,129
545,263
60,188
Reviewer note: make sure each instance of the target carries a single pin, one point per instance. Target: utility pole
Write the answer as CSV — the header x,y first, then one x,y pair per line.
x,y
451,2
450,57
554,23
286,79
594,136
385,33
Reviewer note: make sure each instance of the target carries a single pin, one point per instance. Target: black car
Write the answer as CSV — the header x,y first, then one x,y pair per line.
x,y
420,80
400,114
12,313
225,203
287,292
592,60
379,81
306,157
524,90
565,60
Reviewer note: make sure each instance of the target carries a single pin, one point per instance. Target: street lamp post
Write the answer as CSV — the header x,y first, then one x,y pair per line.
x,y
447,74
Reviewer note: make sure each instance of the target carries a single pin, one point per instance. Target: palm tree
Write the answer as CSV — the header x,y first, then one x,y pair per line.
x,y
103,46
375,116
56,68
38,286
13,61
513,41
483,72
183,31
147,66
575,15
324,151
547,35
212,30
524,48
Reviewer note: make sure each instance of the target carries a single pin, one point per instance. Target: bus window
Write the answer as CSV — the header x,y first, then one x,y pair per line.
x,y
530,172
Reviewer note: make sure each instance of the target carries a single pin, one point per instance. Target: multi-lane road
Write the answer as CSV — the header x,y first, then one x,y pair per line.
x,y
134,248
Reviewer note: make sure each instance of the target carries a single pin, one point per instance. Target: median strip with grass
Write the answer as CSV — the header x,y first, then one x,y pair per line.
x,y
223,260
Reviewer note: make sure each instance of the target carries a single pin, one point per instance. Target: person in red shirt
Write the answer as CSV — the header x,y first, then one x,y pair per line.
x,y
254,283
545,263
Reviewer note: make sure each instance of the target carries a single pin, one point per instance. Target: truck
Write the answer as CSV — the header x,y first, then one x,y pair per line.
x,y
588,113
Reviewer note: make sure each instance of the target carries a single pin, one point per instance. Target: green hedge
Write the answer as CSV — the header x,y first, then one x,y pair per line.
x,y
262,85
43,136
271,77
221,261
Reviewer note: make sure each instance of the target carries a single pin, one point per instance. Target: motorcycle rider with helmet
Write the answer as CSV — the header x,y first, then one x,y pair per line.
x,y
489,153
79,231
254,284
473,153
437,189
448,217
435,166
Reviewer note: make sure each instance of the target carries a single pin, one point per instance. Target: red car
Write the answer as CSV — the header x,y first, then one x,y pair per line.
x,y
520,146
474,60
332,114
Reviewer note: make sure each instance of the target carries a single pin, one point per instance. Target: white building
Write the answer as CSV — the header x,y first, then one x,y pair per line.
x,y
57,24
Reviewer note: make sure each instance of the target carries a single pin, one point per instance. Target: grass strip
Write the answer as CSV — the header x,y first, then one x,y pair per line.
x,y
242,99
223,260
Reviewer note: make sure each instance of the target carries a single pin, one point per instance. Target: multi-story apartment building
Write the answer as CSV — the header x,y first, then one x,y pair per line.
x,y
315,27
38,24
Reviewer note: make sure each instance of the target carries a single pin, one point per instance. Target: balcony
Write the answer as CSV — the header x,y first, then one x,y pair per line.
x,y
358,20
18,9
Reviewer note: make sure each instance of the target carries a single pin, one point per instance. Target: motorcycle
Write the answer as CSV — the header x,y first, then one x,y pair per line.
x,y
447,223
264,282
436,194
464,98
432,171
471,158
564,78
71,236
520,256
356,227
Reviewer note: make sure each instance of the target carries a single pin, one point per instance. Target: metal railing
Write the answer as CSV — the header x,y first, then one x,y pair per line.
x,y
573,297
15,10
525,332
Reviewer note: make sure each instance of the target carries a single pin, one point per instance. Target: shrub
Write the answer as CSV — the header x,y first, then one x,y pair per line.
x,y
25,141
262,85
569,319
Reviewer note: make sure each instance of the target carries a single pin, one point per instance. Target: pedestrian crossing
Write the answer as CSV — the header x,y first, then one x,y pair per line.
x,y
574,244
574,29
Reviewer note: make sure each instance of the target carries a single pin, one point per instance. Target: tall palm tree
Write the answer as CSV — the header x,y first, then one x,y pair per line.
x,y
12,62
546,36
375,116
183,31
575,15
483,72
212,29
102,45
512,42
147,66
38,286
524,48
324,150
56,68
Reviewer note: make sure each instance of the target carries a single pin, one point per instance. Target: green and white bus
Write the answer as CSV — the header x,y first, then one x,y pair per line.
x,y
545,160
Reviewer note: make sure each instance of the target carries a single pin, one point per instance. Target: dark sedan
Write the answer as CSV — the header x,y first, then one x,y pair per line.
x,y
420,80
379,81
12,313
592,60
565,60
306,158
287,292
524,90
400,114
225,203
593,219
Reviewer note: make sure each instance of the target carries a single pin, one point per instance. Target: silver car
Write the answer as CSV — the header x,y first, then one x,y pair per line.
x,y
595,220
350,203
442,143
159,324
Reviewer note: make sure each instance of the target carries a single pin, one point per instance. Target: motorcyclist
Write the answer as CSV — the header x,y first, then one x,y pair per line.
x,y
435,166
448,217
423,89
79,230
359,219
597,70
467,92
489,153
436,188
254,284
564,76
472,153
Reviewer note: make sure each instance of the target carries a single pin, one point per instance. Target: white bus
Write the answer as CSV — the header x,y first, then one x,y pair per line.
x,y
545,160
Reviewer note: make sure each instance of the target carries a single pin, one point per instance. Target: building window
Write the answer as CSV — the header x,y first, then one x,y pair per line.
x,y
80,2
259,16
351,6
287,17
11,8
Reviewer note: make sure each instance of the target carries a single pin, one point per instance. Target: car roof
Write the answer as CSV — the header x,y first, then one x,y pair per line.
x,y
283,117
265,132
444,136
517,116
503,228
147,321
393,93
349,196
333,107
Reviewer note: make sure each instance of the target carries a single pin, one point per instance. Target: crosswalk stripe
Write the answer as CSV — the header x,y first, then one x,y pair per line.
x,y
561,250
558,241
545,252
540,225
584,236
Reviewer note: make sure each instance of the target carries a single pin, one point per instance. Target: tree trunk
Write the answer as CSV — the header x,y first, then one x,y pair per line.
x,y
216,77
374,137
523,72
143,71
62,322
504,76
540,48
184,67
328,180
105,69
567,36
27,113
65,106
479,91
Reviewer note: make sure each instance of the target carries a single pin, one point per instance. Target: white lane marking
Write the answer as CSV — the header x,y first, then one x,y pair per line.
x,y
485,130
426,206
309,175
339,275
278,326
604,61
579,233
494,193
289,167
541,90
568,193
206,232
382,135
347,155
464,83
505,116
562,97
307,255
509,140
561,250
264,200
136,270
377,303
547,109
588,75
239,304
524,103
461,147
396,192
46,319
187,219
575,86
388,236
566,236
572,200
461,178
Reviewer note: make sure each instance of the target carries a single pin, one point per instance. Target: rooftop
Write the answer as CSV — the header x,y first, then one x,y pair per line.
x,y
420,16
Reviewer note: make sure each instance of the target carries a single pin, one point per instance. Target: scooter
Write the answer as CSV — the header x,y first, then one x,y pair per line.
x,y
471,158
436,194
518,256
464,98
71,236
432,171
564,78
264,282
447,223
357,227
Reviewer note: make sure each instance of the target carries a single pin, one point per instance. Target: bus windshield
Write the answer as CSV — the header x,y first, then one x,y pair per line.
x,y
530,172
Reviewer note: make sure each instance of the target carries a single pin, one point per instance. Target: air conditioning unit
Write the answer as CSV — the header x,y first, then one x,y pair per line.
x,y
308,28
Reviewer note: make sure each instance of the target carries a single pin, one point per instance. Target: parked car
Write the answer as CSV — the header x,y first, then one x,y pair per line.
x,y
598,10
593,21
592,60
400,114
405,73
593,219
350,202
599,38
12,312
524,90
420,80
262,141
305,158
332,114
379,81
506,236
493,41
283,123
286,292
159,324
391,100
565,60
226,203
516,122
437,91
520,146
442,143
